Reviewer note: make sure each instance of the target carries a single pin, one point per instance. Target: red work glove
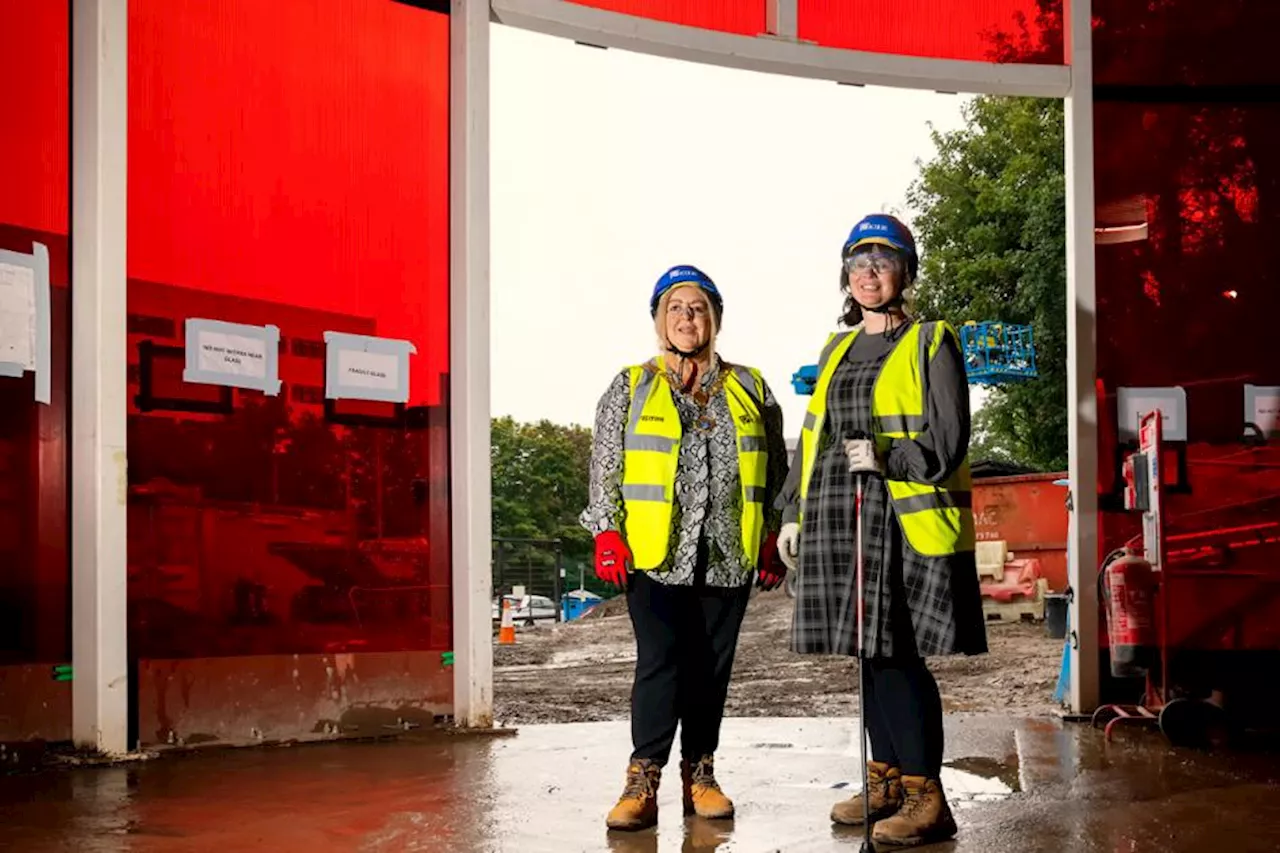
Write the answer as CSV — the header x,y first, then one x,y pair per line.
x,y
772,572
613,558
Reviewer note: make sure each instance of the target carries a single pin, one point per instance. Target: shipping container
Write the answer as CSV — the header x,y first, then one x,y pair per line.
x,y
1029,512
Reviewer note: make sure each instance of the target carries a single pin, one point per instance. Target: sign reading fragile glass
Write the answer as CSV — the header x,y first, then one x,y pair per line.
x,y
361,367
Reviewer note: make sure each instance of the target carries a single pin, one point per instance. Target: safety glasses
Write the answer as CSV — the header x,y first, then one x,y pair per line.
x,y
865,262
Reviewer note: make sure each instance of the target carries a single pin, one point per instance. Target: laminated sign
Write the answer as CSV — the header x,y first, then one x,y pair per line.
x,y
233,354
359,367
24,317
1262,408
1132,404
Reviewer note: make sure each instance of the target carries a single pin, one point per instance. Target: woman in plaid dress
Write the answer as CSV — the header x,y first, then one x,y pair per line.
x,y
921,595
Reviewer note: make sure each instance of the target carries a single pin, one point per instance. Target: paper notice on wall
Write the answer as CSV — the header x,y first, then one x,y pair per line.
x,y
374,370
1134,403
362,367
1262,408
18,315
232,354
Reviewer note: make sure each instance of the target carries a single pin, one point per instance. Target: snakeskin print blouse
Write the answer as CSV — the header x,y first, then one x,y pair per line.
x,y
708,493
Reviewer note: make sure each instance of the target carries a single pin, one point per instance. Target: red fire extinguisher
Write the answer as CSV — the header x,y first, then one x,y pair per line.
x,y
1128,588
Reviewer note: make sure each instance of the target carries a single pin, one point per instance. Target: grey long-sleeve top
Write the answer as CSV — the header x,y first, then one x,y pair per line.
x,y
708,493
936,453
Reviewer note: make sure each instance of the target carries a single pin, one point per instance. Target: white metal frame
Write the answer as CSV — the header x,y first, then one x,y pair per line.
x,y
778,51
778,55
99,484
469,362
782,18
99,478
1082,401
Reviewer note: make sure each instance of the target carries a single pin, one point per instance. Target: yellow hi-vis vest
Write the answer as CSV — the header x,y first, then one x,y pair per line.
x,y
935,520
652,450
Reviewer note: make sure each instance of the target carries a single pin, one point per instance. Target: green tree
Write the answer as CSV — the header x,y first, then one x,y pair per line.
x,y
540,475
992,234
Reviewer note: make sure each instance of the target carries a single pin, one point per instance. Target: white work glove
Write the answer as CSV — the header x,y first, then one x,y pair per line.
x,y
789,544
862,456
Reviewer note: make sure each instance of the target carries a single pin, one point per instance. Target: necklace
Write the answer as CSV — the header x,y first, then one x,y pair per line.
x,y
701,397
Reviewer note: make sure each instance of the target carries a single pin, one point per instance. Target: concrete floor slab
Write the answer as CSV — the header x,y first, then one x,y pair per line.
x,y
1018,786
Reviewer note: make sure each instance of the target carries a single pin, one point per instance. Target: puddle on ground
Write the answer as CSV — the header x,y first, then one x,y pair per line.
x,y
980,779
965,780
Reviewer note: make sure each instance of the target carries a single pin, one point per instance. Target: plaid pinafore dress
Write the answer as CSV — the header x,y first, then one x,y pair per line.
x,y
909,607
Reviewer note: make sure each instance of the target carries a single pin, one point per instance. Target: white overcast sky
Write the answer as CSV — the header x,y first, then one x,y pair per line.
x,y
609,167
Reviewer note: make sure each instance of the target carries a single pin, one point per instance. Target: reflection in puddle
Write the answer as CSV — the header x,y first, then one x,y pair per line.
x,y
966,780
700,836
980,780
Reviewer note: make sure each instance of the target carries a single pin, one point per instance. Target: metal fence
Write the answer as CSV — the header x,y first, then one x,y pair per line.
x,y
537,565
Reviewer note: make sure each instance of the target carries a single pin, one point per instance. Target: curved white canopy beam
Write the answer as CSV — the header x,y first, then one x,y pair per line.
x,y
775,55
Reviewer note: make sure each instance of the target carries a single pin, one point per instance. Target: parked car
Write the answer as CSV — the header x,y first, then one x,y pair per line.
x,y
528,608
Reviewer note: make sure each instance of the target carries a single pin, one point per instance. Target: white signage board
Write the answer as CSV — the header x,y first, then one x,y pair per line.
x,y
25,343
1133,403
373,370
1262,408
18,315
232,354
360,367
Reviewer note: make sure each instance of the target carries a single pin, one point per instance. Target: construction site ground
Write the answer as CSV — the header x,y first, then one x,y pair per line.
x,y
581,671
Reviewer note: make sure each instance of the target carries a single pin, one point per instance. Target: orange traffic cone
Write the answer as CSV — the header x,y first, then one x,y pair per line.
x,y
507,629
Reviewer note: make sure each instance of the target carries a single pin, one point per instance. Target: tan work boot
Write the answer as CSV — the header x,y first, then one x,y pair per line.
x,y
885,784
924,817
637,808
702,794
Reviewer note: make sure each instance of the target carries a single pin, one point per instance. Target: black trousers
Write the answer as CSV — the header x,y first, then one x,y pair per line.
x,y
685,641
904,706
904,715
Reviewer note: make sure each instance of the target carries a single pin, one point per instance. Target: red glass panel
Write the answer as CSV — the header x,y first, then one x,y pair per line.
x,y
982,30
1185,43
34,565
745,17
1186,297
1202,176
287,167
35,85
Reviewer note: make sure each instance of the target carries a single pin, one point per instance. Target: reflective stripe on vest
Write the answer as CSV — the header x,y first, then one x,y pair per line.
x,y
652,451
935,520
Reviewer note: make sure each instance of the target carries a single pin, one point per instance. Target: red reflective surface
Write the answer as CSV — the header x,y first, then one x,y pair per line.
x,y
1188,186
287,167
1201,177
1176,42
744,17
34,565
981,30
35,87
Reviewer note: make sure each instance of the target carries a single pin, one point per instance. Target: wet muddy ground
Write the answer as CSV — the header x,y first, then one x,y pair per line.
x,y
581,671
1017,786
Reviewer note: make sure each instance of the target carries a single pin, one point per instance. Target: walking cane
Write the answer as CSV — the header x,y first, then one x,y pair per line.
x,y
862,665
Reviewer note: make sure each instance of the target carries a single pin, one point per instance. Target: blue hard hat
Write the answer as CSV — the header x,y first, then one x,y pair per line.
x,y
883,229
686,274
